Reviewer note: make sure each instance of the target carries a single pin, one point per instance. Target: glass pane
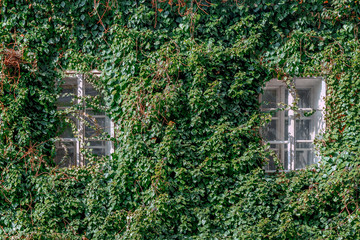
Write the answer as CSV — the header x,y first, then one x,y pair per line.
x,y
94,127
91,132
93,105
98,151
304,98
67,132
303,158
90,90
302,128
93,112
67,96
272,113
269,99
271,164
65,154
307,113
281,152
101,122
95,151
304,145
269,131
95,143
286,158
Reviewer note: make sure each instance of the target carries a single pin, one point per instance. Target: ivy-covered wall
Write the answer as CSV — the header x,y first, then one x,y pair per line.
x,y
181,81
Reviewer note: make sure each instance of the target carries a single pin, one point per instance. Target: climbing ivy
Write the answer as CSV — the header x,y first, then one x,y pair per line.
x,y
181,81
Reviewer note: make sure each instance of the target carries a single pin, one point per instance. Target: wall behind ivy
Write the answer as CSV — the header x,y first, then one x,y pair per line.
x,y
181,81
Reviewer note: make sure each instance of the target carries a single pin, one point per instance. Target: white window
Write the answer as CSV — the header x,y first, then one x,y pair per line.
x,y
291,133
87,128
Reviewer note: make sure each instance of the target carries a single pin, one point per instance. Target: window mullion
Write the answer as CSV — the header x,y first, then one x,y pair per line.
x,y
281,120
291,137
109,144
80,95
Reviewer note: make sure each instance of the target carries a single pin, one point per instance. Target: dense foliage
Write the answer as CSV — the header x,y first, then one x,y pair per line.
x,y
181,81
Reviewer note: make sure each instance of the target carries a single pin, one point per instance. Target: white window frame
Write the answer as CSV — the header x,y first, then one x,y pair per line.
x,y
318,93
79,139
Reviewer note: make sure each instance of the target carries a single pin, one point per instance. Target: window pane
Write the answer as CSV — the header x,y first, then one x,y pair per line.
x,y
67,132
94,127
281,152
302,128
271,164
95,143
304,98
98,151
269,131
67,96
90,90
95,151
269,99
303,158
305,145
273,113
307,113
94,112
65,154
286,158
